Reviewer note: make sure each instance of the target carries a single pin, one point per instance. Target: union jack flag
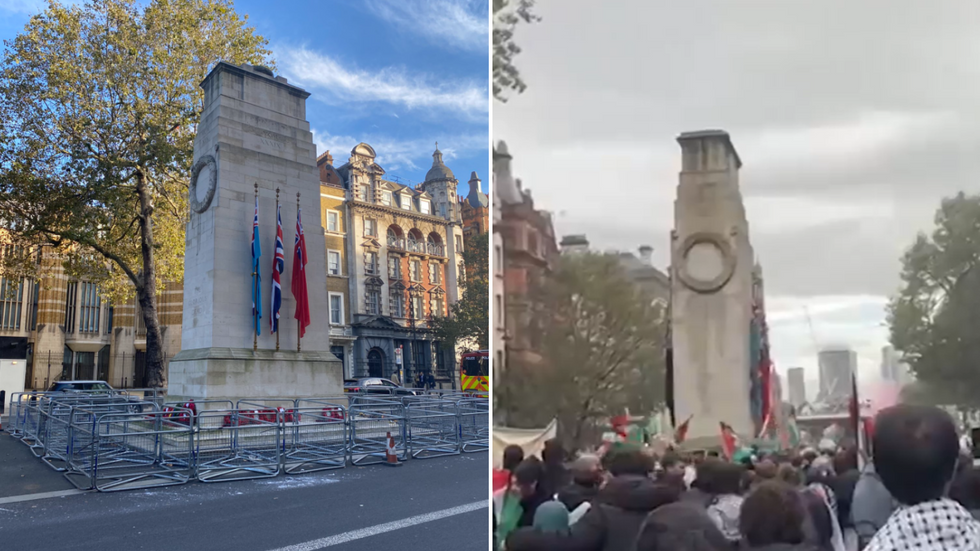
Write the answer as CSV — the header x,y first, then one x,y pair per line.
x,y
278,267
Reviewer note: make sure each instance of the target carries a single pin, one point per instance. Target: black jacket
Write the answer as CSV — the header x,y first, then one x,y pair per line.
x,y
613,522
843,487
576,494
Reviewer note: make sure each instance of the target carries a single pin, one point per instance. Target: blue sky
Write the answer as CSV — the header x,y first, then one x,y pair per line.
x,y
397,74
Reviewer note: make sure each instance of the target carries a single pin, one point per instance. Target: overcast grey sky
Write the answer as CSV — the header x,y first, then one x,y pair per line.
x,y
852,119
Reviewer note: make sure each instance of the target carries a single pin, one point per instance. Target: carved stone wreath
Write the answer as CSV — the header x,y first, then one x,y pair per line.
x,y
727,260
205,161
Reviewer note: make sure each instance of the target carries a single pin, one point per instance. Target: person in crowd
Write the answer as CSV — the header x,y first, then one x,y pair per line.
x,y
698,494
512,457
842,484
680,527
766,469
871,505
673,469
551,518
430,381
820,526
965,489
772,519
527,484
586,477
419,380
556,476
618,510
724,486
916,450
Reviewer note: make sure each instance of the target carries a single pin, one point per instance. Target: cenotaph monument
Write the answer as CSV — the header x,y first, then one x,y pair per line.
x,y
253,130
711,289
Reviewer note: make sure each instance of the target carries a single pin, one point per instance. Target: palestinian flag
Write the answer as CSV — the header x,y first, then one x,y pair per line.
x,y
729,440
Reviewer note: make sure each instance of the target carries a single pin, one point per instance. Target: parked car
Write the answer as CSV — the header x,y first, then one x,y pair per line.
x,y
377,385
81,386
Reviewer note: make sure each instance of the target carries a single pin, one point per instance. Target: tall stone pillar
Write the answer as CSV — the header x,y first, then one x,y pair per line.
x,y
711,289
253,131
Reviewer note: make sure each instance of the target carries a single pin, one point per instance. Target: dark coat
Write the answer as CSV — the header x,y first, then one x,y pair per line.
x,y
843,487
681,527
575,494
781,547
613,522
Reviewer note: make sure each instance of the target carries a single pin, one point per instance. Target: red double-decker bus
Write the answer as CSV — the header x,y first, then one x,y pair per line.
x,y
474,370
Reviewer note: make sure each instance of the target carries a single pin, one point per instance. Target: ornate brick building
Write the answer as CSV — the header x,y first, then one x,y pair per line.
x,y
64,329
403,250
475,211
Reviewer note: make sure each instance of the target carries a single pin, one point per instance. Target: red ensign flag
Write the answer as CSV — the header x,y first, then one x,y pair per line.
x,y
299,278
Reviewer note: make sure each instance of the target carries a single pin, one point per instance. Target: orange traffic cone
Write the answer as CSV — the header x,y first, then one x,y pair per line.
x,y
390,456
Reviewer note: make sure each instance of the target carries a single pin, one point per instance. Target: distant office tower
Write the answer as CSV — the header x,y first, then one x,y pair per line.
x,y
797,386
837,365
889,364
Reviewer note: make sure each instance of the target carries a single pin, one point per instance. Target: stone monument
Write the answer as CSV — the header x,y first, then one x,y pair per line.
x,y
711,289
253,130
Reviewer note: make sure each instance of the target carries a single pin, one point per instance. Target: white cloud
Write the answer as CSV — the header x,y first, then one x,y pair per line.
x,y
454,23
391,85
851,141
396,154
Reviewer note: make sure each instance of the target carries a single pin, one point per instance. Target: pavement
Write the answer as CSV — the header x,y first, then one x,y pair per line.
x,y
425,504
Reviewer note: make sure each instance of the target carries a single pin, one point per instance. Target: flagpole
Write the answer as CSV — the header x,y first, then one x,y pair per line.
x,y
299,322
255,321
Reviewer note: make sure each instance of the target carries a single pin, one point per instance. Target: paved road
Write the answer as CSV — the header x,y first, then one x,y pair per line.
x,y
432,504
22,473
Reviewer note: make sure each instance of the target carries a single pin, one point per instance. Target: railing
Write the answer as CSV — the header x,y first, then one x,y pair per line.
x,y
416,246
436,250
111,442
341,332
396,243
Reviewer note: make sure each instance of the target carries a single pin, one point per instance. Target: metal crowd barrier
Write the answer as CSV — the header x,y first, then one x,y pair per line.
x,y
116,441
237,444
124,451
474,425
432,426
371,421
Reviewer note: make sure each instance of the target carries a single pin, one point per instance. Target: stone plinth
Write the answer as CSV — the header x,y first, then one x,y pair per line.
x,y
711,289
232,373
253,130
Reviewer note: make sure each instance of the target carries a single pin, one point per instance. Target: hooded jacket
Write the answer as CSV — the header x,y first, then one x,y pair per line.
x,y
871,506
612,524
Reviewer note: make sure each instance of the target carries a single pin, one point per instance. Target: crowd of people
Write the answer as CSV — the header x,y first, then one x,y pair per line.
x,y
919,492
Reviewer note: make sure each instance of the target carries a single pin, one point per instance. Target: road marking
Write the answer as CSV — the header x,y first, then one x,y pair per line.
x,y
386,527
45,495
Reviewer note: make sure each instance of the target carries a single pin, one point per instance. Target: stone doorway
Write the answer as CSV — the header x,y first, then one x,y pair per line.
x,y
376,362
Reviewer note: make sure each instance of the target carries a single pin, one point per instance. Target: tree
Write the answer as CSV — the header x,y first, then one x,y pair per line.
x,y
99,105
506,15
602,339
469,318
933,318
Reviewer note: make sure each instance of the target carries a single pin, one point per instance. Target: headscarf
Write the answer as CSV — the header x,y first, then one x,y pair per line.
x,y
551,517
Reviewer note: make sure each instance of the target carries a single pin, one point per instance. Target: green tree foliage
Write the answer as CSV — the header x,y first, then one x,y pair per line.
x,y
99,105
934,317
506,15
602,340
469,318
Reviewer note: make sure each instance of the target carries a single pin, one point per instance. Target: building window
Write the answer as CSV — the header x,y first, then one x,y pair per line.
x,y
424,206
374,302
336,309
370,228
11,300
333,262
416,271
438,307
397,299
362,192
498,310
498,262
406,202
459,243
435,273
442,210
333,221
35,294
417,310
461,274
371,263
394,267
91,307
69,321
386,198
108,319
